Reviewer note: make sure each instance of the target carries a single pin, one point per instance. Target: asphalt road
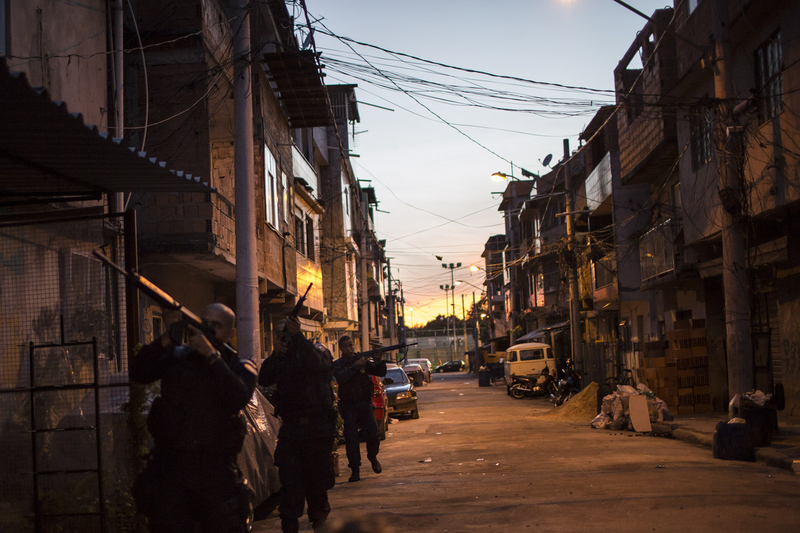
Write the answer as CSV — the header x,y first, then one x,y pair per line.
x,y
479,460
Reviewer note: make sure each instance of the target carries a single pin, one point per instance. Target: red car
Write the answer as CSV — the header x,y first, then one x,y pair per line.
x,y
380,404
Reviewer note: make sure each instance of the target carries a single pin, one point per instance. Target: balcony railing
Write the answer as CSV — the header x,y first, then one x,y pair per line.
x,y
657,250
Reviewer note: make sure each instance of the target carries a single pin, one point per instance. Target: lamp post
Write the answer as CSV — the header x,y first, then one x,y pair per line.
x,y
452,267
446,289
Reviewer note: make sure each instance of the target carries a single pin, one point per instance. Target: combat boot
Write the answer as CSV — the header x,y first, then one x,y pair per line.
x,y
354,476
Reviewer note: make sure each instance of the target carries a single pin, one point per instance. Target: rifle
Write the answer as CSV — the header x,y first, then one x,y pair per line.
x,y
372,353
295,311
167,302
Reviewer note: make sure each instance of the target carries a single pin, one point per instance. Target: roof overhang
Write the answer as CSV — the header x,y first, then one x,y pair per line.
x,y
47,151
298,82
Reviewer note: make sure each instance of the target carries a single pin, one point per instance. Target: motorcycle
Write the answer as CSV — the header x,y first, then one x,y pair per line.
x,y
569,387
523,386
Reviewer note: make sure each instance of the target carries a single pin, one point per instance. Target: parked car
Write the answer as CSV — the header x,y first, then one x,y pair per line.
x,y
415,373
380,404
401,393
450,366
426,365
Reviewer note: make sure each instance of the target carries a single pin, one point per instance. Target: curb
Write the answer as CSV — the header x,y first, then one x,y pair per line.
x,y
766,455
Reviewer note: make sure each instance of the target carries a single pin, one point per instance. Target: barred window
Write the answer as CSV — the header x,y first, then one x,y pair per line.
x,y
769,77
702,136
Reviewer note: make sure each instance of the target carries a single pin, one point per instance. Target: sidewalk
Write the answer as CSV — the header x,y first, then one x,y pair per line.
x,y
783,451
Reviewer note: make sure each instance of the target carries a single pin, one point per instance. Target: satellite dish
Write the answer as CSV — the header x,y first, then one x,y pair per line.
x,y
547,159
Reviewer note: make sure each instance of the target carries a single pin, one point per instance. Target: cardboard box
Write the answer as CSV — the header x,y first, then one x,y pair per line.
x,y
686,409
651,376
659,362
682,324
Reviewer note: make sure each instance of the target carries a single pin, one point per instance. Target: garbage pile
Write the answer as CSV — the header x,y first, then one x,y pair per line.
x,y
615,411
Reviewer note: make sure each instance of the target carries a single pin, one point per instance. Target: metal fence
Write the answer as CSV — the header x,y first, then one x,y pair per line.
x,y
439,345
64,445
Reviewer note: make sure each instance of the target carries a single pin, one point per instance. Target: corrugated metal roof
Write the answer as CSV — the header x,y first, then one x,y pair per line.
x,y
46,150
299,86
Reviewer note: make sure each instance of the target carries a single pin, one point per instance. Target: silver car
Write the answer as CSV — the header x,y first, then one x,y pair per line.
x,y
426,367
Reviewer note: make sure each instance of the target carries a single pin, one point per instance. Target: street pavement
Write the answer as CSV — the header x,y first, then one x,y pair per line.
x,y
479,460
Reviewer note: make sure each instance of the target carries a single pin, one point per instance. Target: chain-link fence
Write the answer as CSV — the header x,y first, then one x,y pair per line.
x,y
440,345
64,439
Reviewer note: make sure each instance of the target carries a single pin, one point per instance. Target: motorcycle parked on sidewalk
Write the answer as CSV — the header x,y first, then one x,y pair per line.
x,y
529,386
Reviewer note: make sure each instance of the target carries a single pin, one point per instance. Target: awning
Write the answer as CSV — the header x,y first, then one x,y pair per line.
x,y
47,151
299,85
528,337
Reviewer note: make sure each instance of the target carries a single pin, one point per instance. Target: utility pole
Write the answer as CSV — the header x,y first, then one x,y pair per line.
x,y
446,289
464,320
452,267
390,303
574,293
734,258
247,317
365,329
478,352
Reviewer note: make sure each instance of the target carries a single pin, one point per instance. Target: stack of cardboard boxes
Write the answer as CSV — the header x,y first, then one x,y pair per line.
x,y
677,370
688,347
660,372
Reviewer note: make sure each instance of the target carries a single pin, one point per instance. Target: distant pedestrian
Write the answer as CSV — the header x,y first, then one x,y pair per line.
x,y
353,376
303,400
198,429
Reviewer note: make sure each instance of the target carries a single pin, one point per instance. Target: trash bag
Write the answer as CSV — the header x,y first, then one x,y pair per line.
x,y
626,390
732,442
607,407
601,421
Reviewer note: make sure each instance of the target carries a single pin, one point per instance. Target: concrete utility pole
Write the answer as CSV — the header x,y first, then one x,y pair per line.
x,y
574,293
464,320
390,303
735,277
478,352
247,318
364,289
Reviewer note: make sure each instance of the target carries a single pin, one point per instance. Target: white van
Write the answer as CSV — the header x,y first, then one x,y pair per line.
x,y
528,359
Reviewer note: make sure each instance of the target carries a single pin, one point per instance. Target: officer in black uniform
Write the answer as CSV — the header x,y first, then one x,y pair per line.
x,y
353,373
303,399
198,429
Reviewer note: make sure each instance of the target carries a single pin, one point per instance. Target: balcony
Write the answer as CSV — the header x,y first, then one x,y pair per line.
x,y
647,134
198,228
661,254
604,282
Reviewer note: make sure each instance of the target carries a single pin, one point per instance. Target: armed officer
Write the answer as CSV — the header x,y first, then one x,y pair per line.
x,y
353,373
198,429
303,399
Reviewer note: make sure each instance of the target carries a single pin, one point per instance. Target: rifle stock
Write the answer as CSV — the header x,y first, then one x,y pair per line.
x,y
165,301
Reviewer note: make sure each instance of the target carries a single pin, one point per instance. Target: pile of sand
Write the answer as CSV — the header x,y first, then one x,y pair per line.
x,y
580,408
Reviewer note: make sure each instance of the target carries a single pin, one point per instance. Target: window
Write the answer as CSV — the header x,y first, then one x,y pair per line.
x,y
299,235
531,355
285,197
271,187
769,77
701,136
348,223
310,244
692,5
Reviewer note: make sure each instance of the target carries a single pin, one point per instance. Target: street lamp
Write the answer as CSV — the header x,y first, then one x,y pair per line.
x,y
452,267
